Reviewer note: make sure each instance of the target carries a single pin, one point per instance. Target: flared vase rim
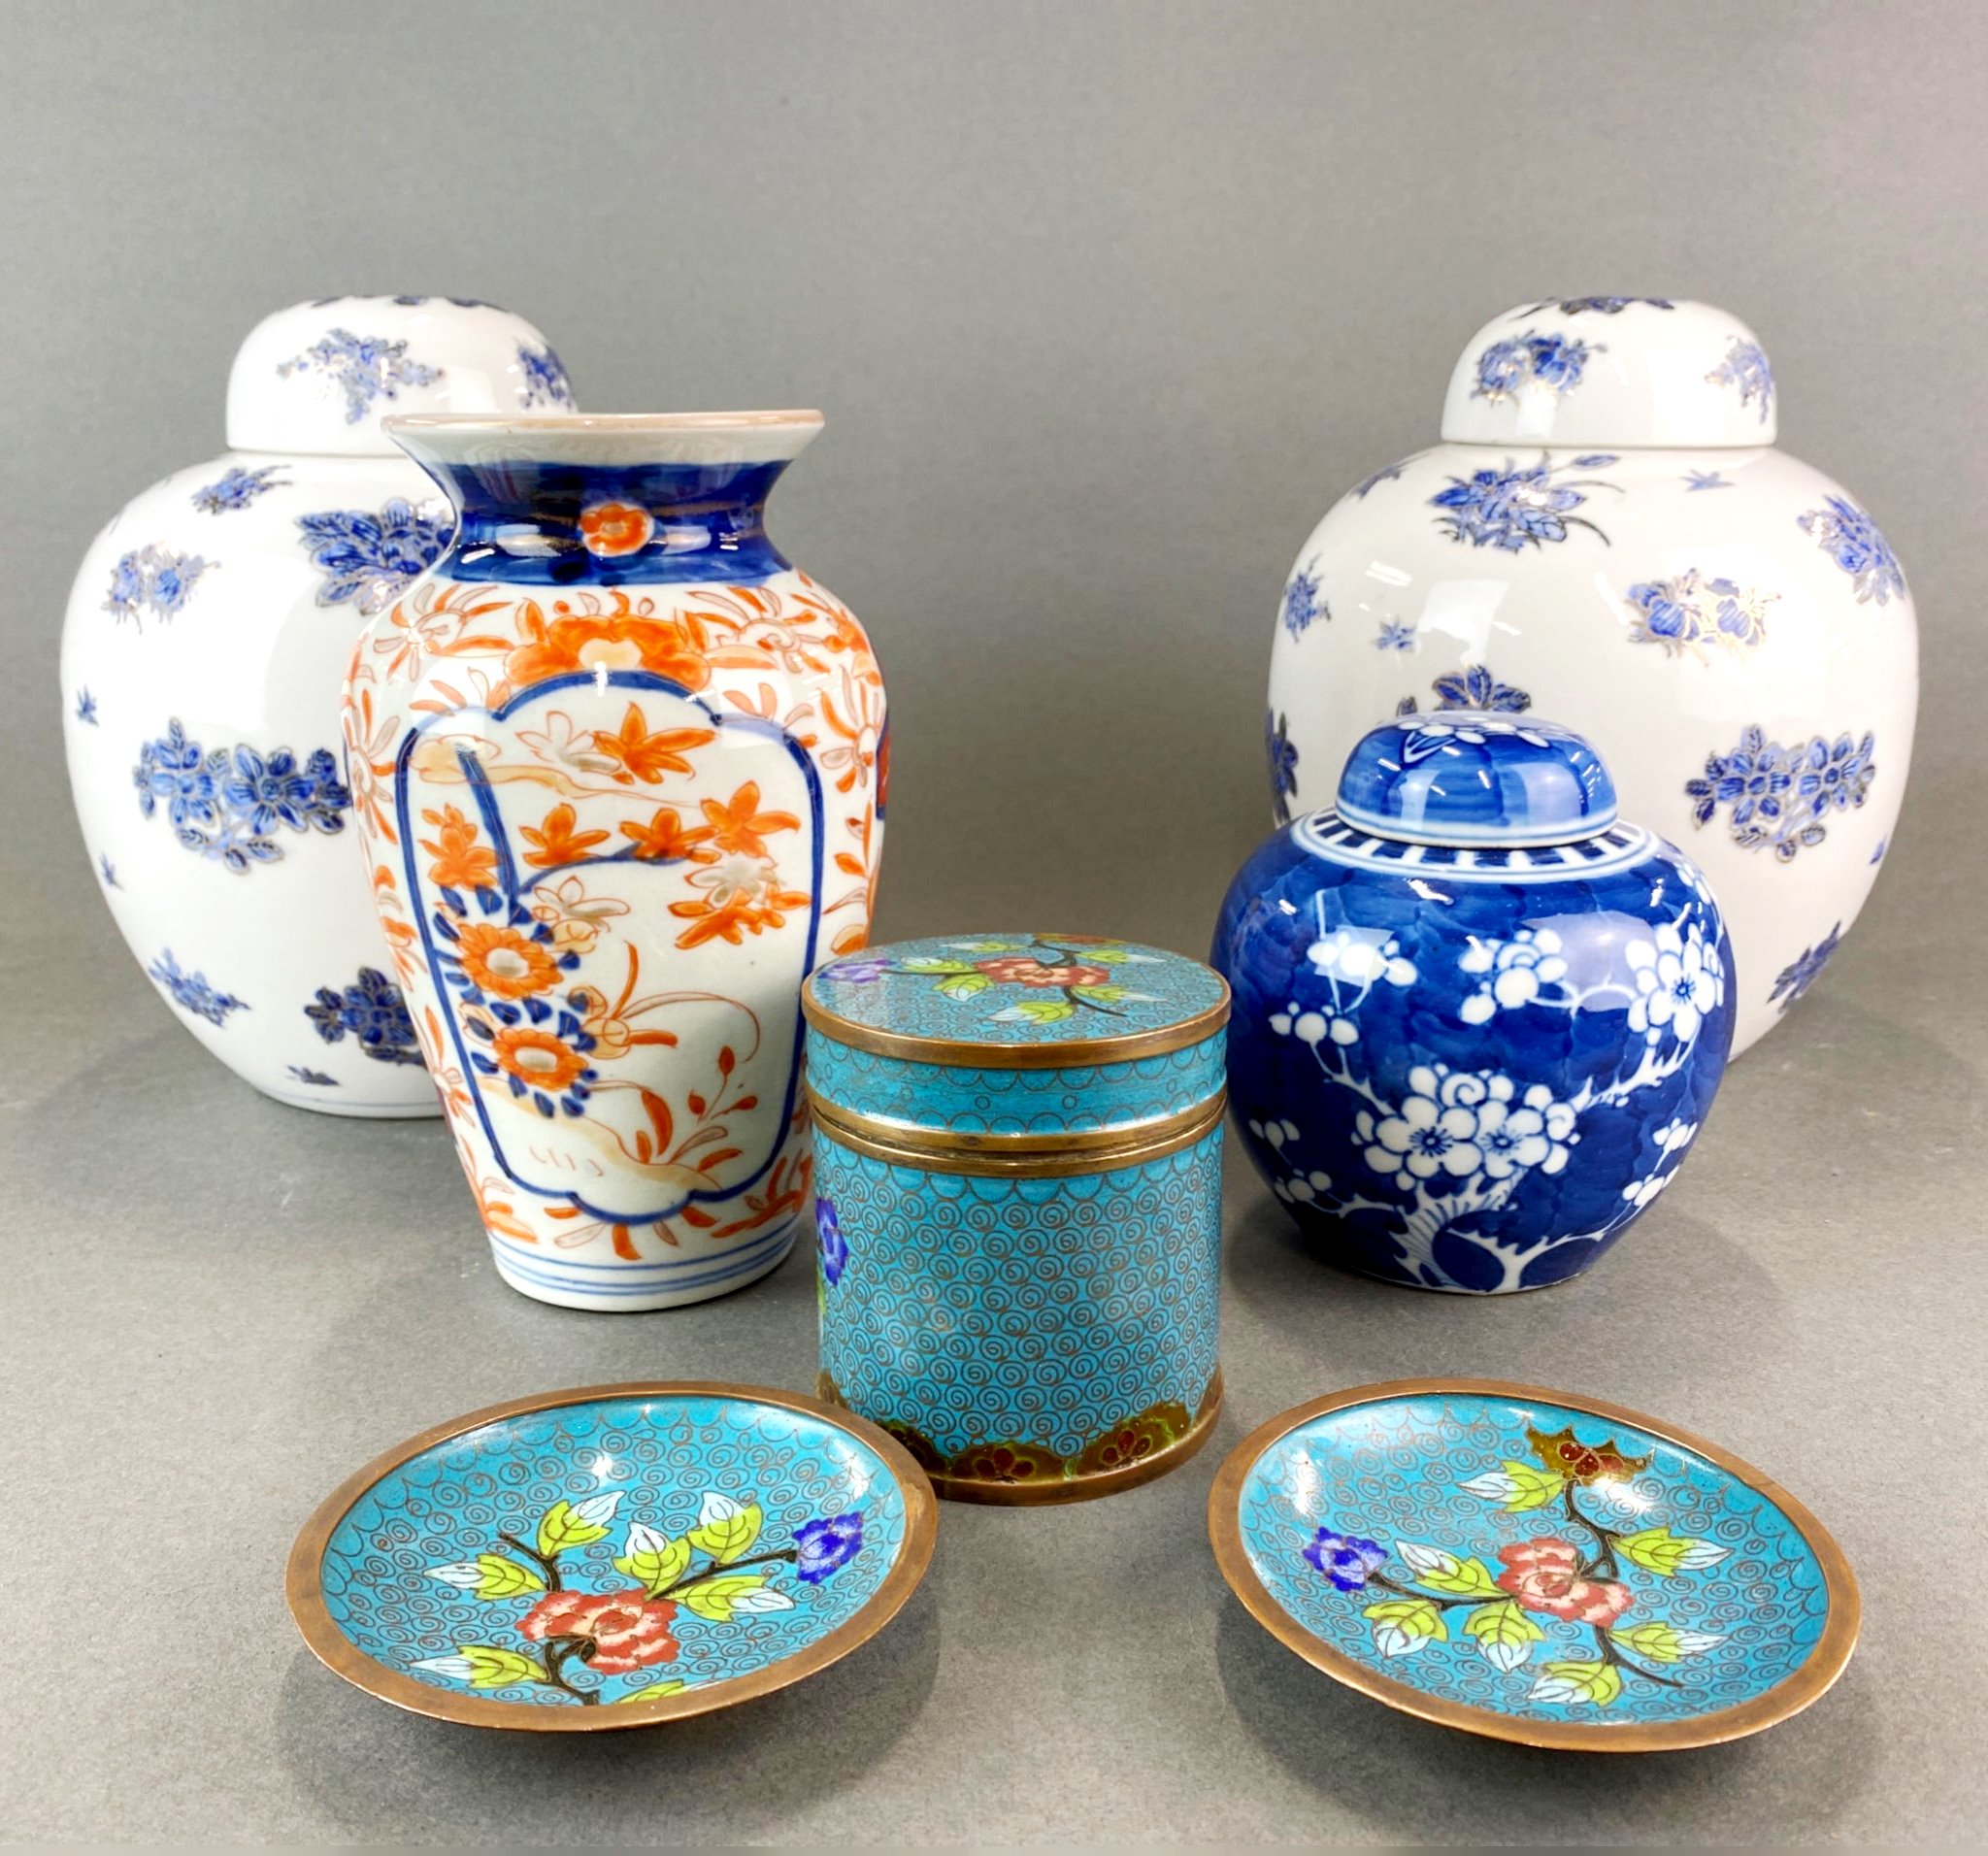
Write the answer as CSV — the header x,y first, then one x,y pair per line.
x,y
612,441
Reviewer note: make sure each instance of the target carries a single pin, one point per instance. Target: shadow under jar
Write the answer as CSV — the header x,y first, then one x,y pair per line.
x,y
1018,1148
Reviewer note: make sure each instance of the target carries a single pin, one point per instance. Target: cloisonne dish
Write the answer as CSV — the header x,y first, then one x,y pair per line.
x,y
1533,1566
612,1556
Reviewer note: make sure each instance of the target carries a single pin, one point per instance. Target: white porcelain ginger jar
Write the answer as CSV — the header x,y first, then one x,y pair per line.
x,y
206,642
1608,533
621,771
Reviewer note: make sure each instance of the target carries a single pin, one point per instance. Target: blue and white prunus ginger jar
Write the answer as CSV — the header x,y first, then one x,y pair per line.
x,y
1477,1021
204,649
1606,534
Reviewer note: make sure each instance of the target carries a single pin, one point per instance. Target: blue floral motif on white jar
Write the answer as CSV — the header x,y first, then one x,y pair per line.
x,y
1783,796
1302,604
1804,970
152,580
1746,372
224,804
369,559
1857,544
1478,1022
1521,506
1283,764
193,992
1472,687
1690,611
235,489
1554,362
372,1013
543,378
363,368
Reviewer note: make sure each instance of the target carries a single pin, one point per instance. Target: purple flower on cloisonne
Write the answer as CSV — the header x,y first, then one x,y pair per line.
x,y
826,1545
1345,1559
828,1236
857,972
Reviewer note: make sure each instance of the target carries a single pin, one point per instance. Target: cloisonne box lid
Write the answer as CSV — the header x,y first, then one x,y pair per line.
x,y
1014,1043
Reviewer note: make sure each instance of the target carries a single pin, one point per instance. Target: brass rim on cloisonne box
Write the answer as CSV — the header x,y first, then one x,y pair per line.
x,y
303,1588
1002,1473
1789,1697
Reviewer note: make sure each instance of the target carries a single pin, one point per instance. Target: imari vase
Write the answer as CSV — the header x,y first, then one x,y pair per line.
x,y
207,636
620,774
1607,535
1479,1020
1018,1205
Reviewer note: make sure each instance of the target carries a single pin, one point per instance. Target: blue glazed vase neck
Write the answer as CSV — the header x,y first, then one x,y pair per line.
x,y
545,524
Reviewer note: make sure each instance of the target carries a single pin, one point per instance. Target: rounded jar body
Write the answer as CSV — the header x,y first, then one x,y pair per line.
x,y
206,641
1471,1069
1019,1243
620,769
1619,544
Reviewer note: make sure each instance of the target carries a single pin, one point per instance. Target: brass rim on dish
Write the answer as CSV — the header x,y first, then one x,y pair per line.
x,y
1016,1157
303,1586
1062,1053
1788,1697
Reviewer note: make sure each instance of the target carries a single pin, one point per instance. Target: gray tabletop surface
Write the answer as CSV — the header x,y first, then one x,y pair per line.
x,y
1106,302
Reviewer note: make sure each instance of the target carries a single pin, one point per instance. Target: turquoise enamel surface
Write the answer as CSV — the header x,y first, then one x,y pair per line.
x,y
1011,989
614,1549
1032,1320
980,1313
1531,1560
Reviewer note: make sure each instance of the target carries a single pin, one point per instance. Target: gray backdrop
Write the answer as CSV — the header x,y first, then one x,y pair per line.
x,y
1105,305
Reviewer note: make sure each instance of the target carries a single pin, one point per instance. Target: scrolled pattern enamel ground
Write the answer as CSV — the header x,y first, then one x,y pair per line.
x,y
305,1594
1352,1564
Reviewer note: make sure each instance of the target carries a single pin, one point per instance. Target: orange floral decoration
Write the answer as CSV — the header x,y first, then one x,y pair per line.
x,y
460,862
610,529
742,912
619,639
737,824
663,838
647,757
557,842
537,1057
504,962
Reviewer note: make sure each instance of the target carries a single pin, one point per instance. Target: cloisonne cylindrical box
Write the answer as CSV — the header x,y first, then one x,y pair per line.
x,y
1018,1151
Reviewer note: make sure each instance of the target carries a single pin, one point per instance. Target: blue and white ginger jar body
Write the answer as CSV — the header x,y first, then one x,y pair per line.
x,y
1477,1021
1607,535
206,643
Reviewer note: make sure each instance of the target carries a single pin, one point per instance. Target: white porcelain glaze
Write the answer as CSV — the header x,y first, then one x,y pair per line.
x,y
621,770
213,620
1607,535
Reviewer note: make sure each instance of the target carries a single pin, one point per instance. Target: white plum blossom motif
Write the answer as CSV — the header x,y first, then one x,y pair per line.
x,y
1361,957
1467,1123
1678,983
1673,1138
1459,1143
1515,973
1432,735
563,745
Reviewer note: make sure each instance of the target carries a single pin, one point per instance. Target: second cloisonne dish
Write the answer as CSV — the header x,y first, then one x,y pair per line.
x,y
612,1556
1533,1566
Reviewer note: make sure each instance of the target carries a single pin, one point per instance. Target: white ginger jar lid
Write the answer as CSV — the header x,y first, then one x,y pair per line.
x,y
1613,372
318,377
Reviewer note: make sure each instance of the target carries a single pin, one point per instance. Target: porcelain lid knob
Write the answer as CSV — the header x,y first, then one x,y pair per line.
x,y
1613,372
319,377
1473,777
